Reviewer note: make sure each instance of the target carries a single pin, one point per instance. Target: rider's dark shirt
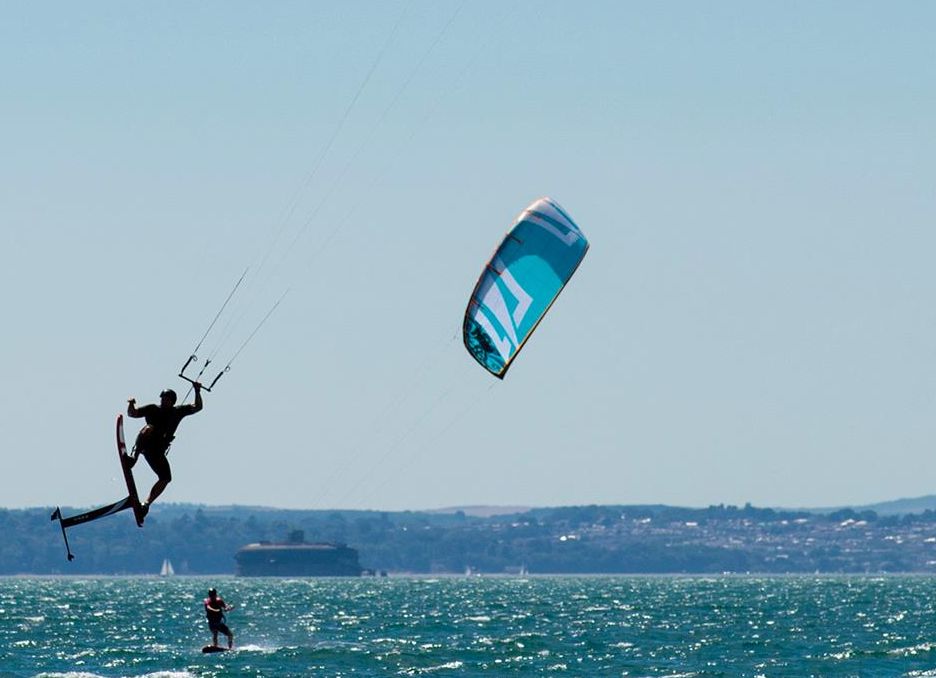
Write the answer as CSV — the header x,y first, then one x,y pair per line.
x,y
165,421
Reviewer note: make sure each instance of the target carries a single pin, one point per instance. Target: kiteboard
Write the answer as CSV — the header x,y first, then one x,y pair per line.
x,y
128,474
209,649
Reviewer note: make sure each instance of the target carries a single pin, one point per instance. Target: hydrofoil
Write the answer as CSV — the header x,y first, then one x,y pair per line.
x,y
131,501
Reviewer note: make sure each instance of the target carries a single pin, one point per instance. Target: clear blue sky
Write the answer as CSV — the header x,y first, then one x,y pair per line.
x,y
754,320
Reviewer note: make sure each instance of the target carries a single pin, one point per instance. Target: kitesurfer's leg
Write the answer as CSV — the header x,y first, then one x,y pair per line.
x,y
230,636
156,490
134,453
160,465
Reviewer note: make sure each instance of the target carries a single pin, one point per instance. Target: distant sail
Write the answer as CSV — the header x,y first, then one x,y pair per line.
x,y
520,283
166,570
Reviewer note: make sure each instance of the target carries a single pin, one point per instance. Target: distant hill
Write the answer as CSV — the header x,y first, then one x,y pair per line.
x,y
894,507
482,511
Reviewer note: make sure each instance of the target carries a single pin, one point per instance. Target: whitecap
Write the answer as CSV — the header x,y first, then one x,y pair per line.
x,y
253,647
432,669
912,650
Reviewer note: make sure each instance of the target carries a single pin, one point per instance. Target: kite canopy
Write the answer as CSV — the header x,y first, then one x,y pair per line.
x,y
519,284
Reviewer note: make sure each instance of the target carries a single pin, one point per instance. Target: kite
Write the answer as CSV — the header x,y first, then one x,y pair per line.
x,y
520,283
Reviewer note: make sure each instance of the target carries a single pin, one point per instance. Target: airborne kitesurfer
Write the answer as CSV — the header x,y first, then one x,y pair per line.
x,y
215,607
154,439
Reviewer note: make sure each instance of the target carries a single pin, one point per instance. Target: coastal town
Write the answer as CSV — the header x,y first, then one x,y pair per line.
x,y
651,539
738,540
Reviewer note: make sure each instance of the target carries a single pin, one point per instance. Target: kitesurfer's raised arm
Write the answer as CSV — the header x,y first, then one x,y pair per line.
x,y
132,410
186,410
198,400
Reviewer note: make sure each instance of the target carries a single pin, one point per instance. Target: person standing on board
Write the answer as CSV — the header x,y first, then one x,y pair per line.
x,y
154,439
215,607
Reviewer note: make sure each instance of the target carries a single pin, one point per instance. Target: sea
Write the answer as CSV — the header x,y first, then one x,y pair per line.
x,y
112,627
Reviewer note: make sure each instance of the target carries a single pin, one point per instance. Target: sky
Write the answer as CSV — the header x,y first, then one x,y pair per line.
x,y
752,323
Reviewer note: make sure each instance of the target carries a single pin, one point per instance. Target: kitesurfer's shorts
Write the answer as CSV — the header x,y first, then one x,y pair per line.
x,y
219,627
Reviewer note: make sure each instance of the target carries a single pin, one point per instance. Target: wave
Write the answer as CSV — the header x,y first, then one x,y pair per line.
x,y
85,674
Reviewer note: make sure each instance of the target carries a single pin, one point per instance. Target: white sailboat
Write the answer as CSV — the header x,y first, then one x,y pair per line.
x,y
166,569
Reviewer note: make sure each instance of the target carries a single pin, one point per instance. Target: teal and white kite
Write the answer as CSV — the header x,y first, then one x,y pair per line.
x,y
520,283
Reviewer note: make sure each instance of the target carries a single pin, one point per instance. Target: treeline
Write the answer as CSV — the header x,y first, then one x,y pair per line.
x,y
587,539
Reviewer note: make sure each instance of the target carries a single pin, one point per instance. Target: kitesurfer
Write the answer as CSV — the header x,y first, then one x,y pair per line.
x,y
215,607
154,439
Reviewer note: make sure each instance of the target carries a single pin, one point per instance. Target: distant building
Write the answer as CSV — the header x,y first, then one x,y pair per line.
x,y
296,558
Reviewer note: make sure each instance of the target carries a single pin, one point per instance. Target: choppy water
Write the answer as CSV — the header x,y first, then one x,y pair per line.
x,y
639,626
